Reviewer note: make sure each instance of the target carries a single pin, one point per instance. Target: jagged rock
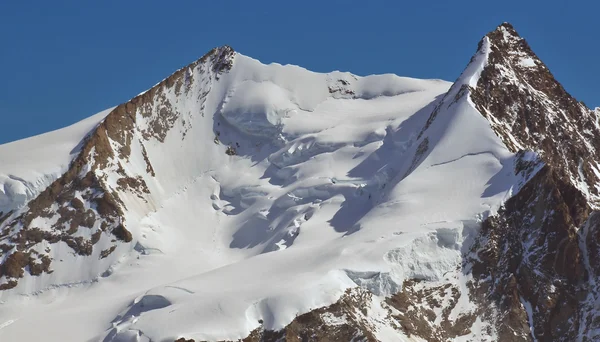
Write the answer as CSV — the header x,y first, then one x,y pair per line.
x,y
531,251
82,198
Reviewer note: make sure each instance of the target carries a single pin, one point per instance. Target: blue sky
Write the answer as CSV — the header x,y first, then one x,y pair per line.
x,y
62,61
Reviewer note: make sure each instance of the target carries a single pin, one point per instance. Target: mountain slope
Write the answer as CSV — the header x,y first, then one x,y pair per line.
x,y
538,245
240,200
30,165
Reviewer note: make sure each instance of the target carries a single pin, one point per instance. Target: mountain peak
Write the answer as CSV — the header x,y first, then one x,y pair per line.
x,y
91,213
507,28
530,110
506,40
221,55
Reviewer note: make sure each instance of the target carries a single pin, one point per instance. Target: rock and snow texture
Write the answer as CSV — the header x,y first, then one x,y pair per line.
x,y
241,200
537,258
28,166
530,110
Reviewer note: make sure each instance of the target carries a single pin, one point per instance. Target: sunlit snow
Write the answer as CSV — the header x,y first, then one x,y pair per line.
x,y
328,190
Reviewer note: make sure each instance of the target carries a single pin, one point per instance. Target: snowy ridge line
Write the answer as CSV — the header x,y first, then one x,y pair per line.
x,y
30,165
242,200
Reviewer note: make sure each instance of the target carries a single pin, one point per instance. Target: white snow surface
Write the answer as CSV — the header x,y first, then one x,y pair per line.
x,y
29,165
327,192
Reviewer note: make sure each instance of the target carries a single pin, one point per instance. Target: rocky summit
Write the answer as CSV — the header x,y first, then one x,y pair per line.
x,y
241,201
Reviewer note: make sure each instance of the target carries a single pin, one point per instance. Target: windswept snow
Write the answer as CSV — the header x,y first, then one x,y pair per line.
x,y
330,188
28,166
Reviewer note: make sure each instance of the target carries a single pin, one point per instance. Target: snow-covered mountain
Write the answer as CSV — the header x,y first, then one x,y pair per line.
x,y
237,200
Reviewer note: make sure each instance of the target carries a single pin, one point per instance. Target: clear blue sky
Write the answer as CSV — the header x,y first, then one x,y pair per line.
x,y
62,61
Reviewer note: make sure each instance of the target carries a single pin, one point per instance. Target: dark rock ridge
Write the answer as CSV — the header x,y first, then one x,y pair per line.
x,y
350,312
81,202
530,110
536,252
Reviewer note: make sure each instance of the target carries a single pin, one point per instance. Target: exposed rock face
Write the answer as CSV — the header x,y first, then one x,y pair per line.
x,y
530,110
529,256
417,304
83,207
533,256
346,320
349,314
